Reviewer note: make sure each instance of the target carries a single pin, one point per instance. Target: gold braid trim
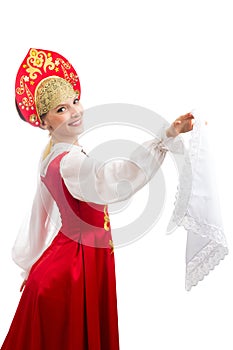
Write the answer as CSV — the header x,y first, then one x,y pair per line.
x,y
106,219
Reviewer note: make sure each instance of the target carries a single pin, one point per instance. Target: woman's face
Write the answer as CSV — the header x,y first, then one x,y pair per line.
x,y
65,122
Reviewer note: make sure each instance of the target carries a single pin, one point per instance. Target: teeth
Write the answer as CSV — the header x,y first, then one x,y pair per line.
x,y
77,122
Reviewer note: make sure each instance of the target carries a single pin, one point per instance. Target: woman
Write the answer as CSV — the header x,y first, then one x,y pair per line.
x,y
69,292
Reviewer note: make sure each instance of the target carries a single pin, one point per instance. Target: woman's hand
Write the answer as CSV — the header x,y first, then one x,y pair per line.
x,y
182,124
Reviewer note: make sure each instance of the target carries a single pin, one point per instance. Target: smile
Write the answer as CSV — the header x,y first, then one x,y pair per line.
x,y
75,122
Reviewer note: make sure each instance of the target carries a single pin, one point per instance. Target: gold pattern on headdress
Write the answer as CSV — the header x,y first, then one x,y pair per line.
x,y
106,219
38,64
26,101
33,118
71,78
37,61
51,92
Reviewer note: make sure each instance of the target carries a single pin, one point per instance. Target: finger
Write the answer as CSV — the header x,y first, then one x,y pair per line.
x,y
189,116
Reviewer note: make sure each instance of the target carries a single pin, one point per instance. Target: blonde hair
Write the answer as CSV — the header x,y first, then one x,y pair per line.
x,y
47,149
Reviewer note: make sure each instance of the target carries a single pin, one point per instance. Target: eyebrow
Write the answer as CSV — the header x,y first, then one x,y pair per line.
x,y
60,105
64,104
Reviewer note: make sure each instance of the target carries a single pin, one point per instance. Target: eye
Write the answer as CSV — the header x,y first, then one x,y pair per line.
x,y
61,109
76,101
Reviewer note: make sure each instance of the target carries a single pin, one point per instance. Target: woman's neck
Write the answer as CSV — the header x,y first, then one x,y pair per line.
x,y
71,140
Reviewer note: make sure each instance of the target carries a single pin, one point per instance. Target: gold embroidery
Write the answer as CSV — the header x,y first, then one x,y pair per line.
x,y
33,118
71,78
106,219
27,101
52,91
38,60
20,90
38,63
111,245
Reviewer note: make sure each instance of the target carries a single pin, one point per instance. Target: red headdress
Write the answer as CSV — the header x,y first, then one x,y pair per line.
x,y
44,80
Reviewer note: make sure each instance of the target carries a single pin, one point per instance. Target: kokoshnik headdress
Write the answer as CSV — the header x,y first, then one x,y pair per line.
x,y
44,79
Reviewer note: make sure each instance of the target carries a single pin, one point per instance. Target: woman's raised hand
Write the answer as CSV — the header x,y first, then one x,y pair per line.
x,y
181,125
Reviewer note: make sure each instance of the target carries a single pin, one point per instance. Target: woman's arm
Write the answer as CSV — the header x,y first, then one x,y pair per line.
x,y
118,179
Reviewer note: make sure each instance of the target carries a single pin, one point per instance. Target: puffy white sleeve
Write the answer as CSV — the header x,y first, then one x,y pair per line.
x,y
115,179
86,179
37,230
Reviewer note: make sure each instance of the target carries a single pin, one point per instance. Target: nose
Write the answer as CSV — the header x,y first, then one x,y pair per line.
x,y
76,111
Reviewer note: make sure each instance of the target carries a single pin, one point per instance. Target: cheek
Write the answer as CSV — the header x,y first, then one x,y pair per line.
x,y
59,122
80,108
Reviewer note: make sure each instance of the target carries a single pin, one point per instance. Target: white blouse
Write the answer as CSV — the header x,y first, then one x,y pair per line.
x,y
87,179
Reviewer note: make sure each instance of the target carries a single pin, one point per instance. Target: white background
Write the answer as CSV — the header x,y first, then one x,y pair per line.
x,y
168,56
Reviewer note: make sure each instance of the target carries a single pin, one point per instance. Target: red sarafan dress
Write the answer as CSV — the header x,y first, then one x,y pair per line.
x,y
69,302
66,249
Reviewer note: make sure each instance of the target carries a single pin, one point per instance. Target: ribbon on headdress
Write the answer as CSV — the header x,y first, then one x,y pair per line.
x,y
44,79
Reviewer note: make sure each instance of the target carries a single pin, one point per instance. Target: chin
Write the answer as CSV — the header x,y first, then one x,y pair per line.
x,y
80,130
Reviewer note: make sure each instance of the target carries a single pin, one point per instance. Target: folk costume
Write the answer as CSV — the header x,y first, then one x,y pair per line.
x,y
66,249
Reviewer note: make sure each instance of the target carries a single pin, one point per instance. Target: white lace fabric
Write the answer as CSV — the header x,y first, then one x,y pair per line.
x,y
197,209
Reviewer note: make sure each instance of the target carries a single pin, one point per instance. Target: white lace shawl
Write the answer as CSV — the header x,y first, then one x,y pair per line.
x,y
197,208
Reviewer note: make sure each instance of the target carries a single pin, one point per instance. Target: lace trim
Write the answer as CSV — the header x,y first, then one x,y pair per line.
x,y
204,230
203,262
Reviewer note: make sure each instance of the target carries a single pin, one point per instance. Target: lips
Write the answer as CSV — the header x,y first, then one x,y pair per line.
x,y
76,122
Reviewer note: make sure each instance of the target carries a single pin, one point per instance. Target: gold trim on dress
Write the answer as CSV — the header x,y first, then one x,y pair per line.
x,y
106,219
111,245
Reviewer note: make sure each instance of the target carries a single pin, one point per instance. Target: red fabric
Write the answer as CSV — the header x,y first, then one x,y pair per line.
x,y
81,221
69,302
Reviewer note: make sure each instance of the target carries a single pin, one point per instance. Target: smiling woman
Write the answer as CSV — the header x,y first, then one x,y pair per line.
x,y
64,122
66,249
